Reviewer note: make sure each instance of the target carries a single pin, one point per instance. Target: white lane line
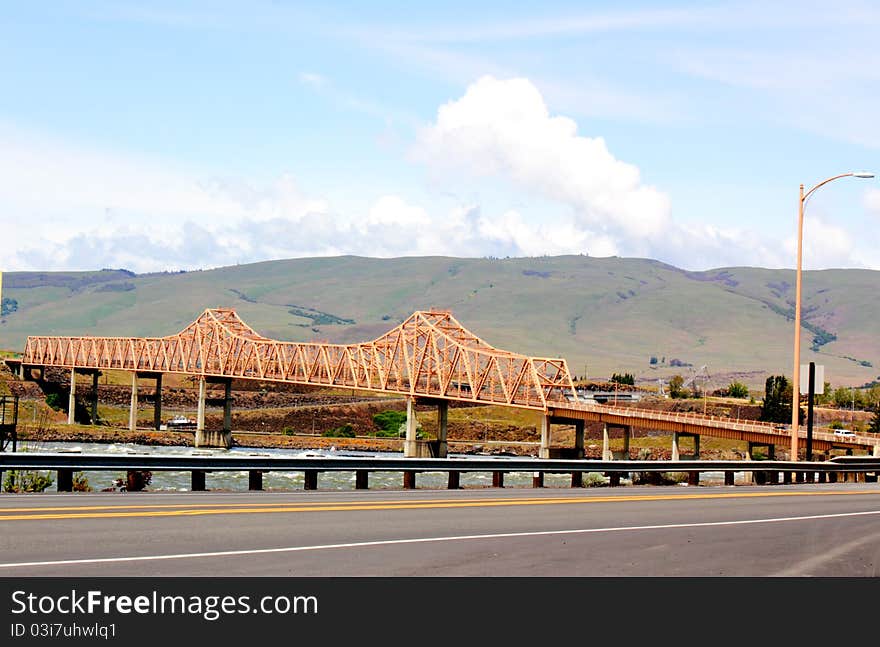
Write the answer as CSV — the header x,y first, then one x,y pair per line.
x,y
425,540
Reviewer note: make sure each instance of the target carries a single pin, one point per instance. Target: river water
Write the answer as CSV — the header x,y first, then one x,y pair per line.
x,y
238,481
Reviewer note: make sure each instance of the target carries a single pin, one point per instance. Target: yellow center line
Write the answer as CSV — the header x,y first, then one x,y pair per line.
x,y
417,505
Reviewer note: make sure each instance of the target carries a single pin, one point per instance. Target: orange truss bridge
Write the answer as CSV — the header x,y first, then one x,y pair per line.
x,y
430,354
429,357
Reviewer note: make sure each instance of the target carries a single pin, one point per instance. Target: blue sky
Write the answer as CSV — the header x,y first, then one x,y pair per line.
x,y
164,136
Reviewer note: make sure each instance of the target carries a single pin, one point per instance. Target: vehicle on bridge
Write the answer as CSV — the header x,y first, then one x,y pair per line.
x,y
179,423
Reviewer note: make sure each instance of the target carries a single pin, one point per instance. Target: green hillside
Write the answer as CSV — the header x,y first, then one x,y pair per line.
x,y
603,315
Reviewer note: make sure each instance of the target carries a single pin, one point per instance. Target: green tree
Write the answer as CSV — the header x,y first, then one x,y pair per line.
x,y
777,400
737,390
626,378
675,389
874,427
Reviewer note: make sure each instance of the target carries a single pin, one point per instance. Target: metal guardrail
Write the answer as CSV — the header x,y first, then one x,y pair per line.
x,y
263,463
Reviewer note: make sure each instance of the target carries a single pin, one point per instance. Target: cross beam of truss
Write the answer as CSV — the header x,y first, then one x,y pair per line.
x,y
430,355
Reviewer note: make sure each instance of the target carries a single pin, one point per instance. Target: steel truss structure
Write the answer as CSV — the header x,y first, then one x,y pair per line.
x,y
430,355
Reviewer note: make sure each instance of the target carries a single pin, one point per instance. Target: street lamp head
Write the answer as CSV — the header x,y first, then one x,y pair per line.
x,y
863,174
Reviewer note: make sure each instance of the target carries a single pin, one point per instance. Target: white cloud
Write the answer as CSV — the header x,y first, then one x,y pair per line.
x,y
503,128
872,201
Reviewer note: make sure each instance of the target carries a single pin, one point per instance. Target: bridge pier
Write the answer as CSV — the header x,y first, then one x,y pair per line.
x,y
442,418
767,475
157,403
200,415
71,401
133,411
544,450
410,445
578,441
676,445
94,397
223,437
607,453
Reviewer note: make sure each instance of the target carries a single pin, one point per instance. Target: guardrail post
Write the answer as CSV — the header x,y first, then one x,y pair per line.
x,y
832,477
538,479
693,478
198,481
577,479
409,480
361,480
497,479
310,479
454,480
615,478
728,478
255,480
798,477
822,477
65,480
786,478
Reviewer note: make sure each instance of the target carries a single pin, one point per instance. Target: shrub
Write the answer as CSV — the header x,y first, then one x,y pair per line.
x,y
343,431
27,481
81,482
594,479
835,424
389,420
289,431
55,401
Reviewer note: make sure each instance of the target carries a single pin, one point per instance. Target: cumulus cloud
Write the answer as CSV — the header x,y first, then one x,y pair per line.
x,y
504,128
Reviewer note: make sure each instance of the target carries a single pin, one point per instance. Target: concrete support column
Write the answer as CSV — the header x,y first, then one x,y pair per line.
x,y
21,371
579,438
133,411
544,451
676,454
71,402
410,447
876,452
95,398
200,416
227,406
696,447
442,416
157,404
606,444
626,434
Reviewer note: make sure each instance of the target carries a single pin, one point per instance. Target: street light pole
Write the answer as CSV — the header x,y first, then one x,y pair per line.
x,y
796,381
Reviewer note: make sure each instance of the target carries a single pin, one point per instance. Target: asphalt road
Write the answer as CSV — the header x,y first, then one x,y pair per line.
x,y
783,530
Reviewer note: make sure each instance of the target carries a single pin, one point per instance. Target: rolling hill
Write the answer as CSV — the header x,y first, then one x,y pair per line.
x,y
603,315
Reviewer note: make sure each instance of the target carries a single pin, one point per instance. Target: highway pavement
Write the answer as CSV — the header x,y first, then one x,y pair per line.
x,y
779,530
